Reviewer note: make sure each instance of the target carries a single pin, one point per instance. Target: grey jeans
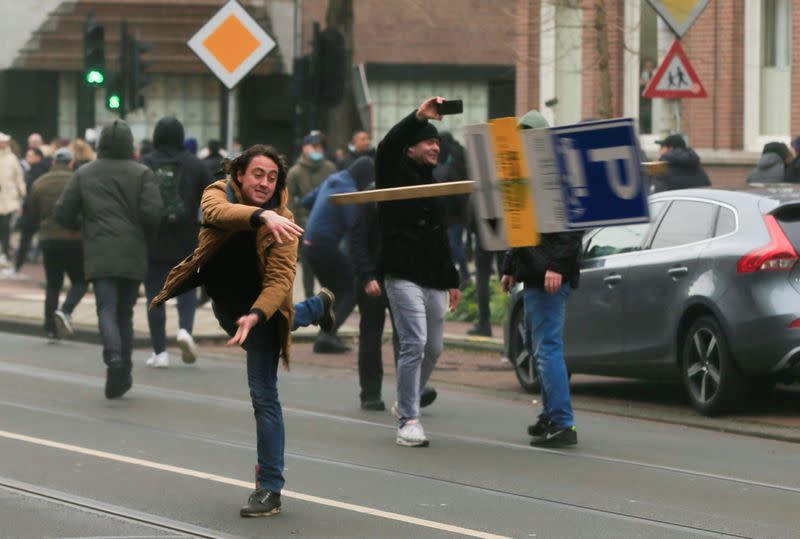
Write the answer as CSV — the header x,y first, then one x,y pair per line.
x,y
419,321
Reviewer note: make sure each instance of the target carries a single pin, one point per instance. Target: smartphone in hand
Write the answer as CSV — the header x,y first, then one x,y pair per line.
x,y
455,106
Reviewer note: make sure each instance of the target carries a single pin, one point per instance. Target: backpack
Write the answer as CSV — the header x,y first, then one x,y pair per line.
x,y
170,181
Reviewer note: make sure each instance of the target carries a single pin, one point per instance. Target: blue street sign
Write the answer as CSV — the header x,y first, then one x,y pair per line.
x,y
601,173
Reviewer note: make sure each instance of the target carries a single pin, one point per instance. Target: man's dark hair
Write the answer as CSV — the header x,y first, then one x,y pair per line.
x,y
214,146
37,152
238,166
357,131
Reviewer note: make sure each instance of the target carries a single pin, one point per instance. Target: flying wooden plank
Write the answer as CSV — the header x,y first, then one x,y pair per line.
x,y
653,168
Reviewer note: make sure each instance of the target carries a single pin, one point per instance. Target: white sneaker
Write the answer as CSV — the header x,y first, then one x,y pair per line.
x,y
4,263
395,410
63,324
412,434
158,361
187,345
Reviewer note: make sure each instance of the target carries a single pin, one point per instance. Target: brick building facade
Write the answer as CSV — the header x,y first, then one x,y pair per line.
x,y
745,52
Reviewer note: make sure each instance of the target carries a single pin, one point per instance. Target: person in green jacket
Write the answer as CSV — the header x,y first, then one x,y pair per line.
x,y
62,248
307,174
116,203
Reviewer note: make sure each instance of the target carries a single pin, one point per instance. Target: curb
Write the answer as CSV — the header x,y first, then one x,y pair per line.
x,y
33,327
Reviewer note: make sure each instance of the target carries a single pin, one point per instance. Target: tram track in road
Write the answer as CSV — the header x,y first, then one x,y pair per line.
x,y
184,529
392,472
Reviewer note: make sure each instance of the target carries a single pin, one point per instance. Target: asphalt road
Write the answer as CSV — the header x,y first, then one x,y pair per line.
x,y
175,457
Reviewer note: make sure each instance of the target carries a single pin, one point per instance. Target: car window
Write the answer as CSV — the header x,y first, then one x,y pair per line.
x,y
726,222
615,240
686,221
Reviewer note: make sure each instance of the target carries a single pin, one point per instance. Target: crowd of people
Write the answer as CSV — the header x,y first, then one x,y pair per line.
x,y
232,227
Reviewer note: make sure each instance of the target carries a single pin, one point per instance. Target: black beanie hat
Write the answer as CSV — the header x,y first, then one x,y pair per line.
x,y
426,131
363,172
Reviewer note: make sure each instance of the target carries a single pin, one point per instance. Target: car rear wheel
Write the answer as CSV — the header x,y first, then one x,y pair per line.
x,y
710,375
524,363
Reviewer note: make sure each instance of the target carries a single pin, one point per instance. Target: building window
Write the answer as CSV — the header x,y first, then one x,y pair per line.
x,y
776,61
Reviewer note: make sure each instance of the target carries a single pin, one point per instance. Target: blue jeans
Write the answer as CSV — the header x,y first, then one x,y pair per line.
x,y
455,236
262,347
307,312
157,318
544,336
115,298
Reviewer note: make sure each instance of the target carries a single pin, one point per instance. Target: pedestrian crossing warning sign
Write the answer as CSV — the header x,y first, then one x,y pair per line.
x,y
675,77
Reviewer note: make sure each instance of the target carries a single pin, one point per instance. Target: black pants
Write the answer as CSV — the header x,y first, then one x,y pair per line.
x,y
335,272
5,234
60,257
483,272
370,342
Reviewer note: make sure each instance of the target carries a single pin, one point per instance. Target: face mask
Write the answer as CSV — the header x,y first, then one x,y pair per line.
x,y
315,156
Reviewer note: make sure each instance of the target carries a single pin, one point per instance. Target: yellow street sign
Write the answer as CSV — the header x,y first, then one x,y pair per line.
x,y
513,175
680,15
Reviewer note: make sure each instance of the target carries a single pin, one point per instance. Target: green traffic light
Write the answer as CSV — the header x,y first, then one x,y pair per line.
x,y
114,102
95,77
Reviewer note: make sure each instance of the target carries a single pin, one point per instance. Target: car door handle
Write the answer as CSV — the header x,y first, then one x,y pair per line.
x,y
678,272
612,279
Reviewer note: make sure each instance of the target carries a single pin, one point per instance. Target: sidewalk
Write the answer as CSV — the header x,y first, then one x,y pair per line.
x,y
22,305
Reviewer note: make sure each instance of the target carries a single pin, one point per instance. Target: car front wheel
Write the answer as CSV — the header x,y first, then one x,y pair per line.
x,y
711,377
524,363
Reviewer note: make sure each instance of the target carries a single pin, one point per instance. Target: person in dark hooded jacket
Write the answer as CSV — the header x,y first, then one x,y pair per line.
x,y
772,166
116,203
685,170
327,226
182,177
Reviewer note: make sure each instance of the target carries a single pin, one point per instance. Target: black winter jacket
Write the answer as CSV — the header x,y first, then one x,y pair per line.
x,y
685,171
559,252
365,244
177,240
414,242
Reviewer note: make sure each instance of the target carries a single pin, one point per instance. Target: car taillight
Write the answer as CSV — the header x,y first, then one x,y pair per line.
x,y
795,324
778,254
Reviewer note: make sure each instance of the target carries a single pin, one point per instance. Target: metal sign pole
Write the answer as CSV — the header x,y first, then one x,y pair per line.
x,y
229,130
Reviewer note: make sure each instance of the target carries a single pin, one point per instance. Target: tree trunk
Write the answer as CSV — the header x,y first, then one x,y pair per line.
x,y
340,118
603,59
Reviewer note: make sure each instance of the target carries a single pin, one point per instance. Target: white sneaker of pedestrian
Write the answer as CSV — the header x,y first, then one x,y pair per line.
x,y
63,324
395,410
187,345
411,434
4,263
159,361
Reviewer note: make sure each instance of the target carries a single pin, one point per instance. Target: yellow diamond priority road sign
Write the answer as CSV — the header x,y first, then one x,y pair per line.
x,y
231,43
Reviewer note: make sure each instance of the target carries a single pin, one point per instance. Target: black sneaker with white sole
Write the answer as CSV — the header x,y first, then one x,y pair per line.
x,y
557,437
427,396
328,317
262,503
63,324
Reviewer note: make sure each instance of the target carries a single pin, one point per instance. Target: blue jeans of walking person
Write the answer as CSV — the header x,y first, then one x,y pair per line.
x,y
418,314
544,336
115,298
157,318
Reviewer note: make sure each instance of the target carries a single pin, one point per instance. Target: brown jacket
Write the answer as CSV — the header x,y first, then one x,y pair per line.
x,y
222,218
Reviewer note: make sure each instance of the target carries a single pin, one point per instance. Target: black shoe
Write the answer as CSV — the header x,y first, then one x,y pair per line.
x,y
262,503
329,344
52,337
118,382
373,405
63,324
555,437
483,331
427,397
540,428
328,317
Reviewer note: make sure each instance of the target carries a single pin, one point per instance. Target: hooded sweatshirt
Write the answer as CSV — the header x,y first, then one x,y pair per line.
x,y
329,223
685,171
770,169
305,176
116,203
176,240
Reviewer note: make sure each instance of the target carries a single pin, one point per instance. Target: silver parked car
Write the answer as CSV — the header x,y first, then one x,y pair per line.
x,y
708,291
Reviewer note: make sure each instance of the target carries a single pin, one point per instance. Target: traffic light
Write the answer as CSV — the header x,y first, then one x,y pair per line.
x,y
94,54
115,99
138,72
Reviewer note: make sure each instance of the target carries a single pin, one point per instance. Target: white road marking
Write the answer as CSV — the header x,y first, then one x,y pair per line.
x,y
249,485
